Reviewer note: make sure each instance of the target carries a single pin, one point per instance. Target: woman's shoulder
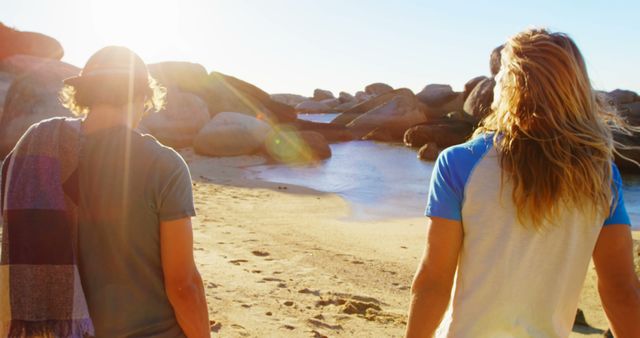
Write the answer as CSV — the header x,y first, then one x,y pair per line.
x,y
469,152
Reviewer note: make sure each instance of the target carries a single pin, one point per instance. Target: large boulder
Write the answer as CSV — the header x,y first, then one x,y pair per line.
x,y
313,107
394,116
376,89
227,93
331,132
471,85
289,99
478,103
287,145
321,94
346,97
33,96
630,112
445,133
14,42
362,96
181,119
363,107
621,96
5,83
231,134
185,76
429,152
436,95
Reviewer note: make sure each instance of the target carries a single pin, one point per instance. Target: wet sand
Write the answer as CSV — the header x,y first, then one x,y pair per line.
x,y
286,261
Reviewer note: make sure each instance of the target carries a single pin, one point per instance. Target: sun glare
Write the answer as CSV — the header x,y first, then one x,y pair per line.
x,y
146,26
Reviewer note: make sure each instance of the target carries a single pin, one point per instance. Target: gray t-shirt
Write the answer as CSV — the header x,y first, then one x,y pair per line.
x,y
128,184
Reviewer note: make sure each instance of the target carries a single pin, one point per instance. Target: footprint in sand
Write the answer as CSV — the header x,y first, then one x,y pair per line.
x,y
319,323
260,253
238,261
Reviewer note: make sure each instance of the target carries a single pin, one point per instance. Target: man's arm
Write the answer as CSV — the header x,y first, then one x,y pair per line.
x,y
618,284
181,277
432,283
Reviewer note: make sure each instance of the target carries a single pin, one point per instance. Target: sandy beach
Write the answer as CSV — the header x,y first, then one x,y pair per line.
x,y
286,261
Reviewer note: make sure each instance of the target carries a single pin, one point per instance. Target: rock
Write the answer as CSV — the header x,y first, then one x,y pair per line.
x,y
376,89
321,94
580,319
289,99
495,60
471,84
361,108
33,96
285,145
313,107
14,42
5,83
330,131
186,76
631,112
381,135
620,96
362,96
633,154
445,133
231,134
429,152
436,95
395,115
178,123
341,108
331,103
346,97
478,104
255,101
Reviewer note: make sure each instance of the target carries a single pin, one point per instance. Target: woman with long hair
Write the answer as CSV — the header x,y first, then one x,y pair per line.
x,y
516,213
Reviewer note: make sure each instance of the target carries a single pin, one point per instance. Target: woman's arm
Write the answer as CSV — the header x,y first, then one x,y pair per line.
x,y
432,283
181,278
618,283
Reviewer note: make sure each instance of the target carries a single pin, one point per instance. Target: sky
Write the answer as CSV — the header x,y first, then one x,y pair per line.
x,y
295,46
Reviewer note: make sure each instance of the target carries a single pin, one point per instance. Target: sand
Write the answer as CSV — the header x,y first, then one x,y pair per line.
x,y
285,261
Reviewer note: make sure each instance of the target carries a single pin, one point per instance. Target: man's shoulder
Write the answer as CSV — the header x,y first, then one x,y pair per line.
x,y
165,157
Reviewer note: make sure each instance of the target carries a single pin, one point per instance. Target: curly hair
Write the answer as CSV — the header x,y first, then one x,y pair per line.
x,y
553,132
114,91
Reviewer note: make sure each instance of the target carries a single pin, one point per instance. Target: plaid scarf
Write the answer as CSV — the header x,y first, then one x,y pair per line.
x,y
40,289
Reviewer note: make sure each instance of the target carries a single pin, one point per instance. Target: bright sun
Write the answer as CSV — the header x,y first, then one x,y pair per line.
x,y
139,24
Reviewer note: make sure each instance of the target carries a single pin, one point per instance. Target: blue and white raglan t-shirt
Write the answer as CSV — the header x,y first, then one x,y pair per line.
x,y
512,281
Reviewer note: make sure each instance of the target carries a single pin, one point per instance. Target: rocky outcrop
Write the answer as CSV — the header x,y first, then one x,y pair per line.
x,y
364,107
14,42
394,116
621,96
32,96
230,91
445,133
181,119
331,132
435,95
478,103
313,107
362,96
429,152
346,97
471,85
289,99
377,89
321,94
286,145
231,134
185,76
5,83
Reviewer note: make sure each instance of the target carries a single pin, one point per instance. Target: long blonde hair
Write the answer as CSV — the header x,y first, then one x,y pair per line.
x,y
552,130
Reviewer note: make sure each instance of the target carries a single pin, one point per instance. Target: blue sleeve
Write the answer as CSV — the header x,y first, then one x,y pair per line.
x,y
618,212
445,190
